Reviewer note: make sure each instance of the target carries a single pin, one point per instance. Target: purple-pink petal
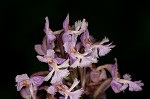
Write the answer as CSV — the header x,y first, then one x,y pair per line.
x,y
134,87
68,46
52,90
37,80
66,23
22,77
116,86
66,37
38,49
25,93
51,37
72,58
59,75
60,60
50,53
85,61
84,36
46,29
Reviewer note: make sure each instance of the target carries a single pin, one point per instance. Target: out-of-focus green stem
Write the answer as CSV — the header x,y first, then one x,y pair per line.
x,y
81,74
60,44
84,78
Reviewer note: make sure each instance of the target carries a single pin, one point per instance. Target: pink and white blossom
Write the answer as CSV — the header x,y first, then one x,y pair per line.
x,y
59,71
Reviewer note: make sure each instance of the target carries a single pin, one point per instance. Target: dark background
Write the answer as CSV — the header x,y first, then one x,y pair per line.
x,y
125,22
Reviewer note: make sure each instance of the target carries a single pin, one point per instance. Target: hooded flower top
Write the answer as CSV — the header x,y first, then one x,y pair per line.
x,y
30,83
50,34
119,84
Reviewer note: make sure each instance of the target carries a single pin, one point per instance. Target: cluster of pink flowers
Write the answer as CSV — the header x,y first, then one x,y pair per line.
x,y
71,55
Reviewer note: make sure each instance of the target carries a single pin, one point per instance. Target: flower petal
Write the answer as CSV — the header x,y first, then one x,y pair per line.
x,y
77,25
38,49
22,77
59,75
25,93
51,37
84,36
52,90
66,23
46,29
60,60
42,59
66,96
85,62
134,86
64,64
116,86
94,53
124,87
50,53
105,49
66,37
49,75
68,46
37,80
75,83
75,64
84,25
76,94
127,77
